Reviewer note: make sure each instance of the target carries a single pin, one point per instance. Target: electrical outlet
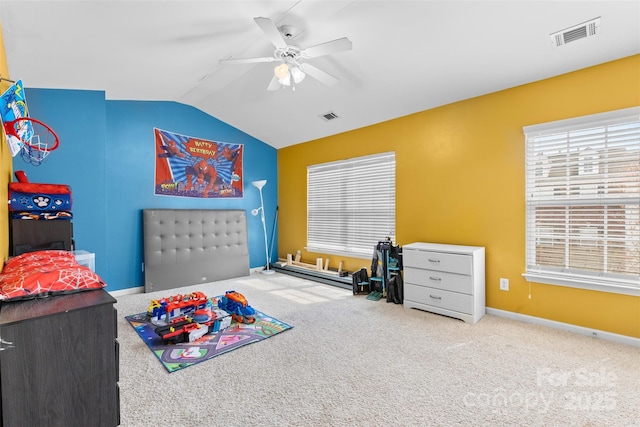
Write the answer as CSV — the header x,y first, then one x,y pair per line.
x,y
504,284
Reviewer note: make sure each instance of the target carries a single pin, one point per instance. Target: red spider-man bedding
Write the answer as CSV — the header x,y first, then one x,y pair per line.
x,y
45,273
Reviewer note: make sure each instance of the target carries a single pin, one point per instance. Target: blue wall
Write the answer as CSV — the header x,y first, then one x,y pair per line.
x,y
106,155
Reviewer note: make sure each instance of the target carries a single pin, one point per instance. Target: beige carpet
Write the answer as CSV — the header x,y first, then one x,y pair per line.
x,y
349,361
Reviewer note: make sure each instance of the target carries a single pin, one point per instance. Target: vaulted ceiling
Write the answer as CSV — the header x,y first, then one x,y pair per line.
x,y
407,56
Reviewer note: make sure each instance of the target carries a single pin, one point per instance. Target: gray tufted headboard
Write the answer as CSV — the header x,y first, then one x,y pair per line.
x,y
190,246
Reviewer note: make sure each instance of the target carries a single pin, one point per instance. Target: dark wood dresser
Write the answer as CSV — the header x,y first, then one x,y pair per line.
x,y
59,361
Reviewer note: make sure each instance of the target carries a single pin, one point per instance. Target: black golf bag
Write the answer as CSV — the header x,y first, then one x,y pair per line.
x,y
386,268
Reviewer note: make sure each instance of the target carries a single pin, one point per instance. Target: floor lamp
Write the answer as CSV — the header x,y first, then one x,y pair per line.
x,y
254,212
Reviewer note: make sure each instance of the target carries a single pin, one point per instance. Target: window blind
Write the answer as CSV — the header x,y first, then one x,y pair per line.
x,y
351,205
583,199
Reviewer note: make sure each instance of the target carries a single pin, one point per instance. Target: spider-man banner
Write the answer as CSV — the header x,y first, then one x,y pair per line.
x,y
193,167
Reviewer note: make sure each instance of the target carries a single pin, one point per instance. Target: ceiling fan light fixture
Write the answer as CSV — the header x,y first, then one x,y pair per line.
x,y
281,71
286,80
297,74
291,58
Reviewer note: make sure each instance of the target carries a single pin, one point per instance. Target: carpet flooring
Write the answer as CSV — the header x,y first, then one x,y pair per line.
x,y
350,361
182,355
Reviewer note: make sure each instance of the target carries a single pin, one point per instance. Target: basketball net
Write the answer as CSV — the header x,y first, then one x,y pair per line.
x,y
36,151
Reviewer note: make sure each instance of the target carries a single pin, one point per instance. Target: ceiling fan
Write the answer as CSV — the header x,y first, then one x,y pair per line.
x,y
292,68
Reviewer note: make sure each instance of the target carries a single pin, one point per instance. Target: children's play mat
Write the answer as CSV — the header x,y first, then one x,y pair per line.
x,y
181,355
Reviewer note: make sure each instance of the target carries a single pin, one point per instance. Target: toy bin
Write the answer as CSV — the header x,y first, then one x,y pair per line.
x,y
87,259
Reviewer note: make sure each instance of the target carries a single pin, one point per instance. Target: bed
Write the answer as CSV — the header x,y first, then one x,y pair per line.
x,y
191,246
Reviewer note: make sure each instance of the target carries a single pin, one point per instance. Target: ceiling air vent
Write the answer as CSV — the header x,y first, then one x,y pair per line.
x,y
329,116
577,32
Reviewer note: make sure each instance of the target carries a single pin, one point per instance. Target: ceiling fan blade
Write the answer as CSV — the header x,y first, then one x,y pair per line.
x,y
318,74
274,84
247,60
272,32
334,46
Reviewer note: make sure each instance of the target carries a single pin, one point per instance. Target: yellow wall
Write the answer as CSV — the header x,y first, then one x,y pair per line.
x,y
460,180
5,164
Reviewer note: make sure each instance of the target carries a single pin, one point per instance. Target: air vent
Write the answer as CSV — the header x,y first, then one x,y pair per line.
x,y
329,116
577,32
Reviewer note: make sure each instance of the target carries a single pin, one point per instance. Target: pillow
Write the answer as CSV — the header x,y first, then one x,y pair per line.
x,y
45,273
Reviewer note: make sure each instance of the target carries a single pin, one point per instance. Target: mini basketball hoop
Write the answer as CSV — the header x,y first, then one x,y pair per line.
x,y
37,138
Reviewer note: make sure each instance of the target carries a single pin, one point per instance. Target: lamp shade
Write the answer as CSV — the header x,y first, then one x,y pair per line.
x,y
286,80
281,71
297,74
259,184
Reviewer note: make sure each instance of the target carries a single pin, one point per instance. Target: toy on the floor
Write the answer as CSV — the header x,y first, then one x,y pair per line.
x,y
189,329
185,318
235,304
166,310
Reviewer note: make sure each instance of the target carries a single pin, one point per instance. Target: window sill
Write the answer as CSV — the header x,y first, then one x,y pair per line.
x,y
583,283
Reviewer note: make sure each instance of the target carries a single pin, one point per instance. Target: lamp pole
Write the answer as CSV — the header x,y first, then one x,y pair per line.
x,y
259,185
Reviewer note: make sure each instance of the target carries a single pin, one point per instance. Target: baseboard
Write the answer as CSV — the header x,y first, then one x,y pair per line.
x,y
128,291
595,333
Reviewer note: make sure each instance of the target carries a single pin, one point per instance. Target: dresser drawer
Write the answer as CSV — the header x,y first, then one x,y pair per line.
x,y
439,279
454,301
441,261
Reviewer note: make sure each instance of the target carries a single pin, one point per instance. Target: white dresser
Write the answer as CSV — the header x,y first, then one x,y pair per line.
x,y
445,279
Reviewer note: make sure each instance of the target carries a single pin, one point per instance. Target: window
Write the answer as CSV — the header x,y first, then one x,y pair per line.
x,y
583,202
351,205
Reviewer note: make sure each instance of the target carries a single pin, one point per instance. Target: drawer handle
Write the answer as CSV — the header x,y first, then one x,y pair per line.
x,y
435,297
436,260
435,279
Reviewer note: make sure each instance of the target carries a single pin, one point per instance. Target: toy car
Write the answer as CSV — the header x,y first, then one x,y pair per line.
x,y
235,304
189,329
165,310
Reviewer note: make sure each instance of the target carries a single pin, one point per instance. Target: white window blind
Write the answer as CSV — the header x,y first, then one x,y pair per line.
x,y
351,205
583,202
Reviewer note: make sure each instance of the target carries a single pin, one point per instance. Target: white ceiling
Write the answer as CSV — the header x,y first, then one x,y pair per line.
x,y
407,56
